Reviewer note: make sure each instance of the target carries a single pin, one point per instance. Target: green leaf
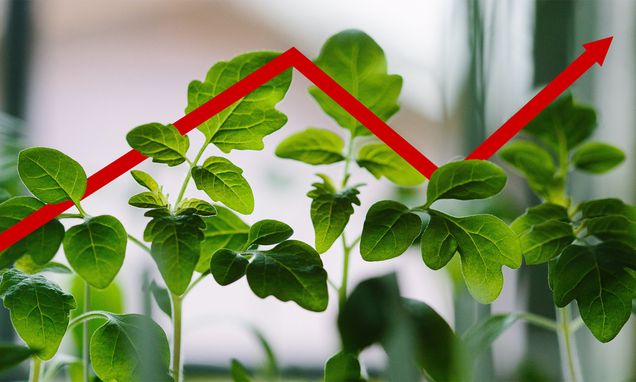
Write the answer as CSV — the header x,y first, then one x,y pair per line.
x,y
563,121
381,160
597,157
465,180
533,162
292,270
604,207
148,200
239,372
176,247
39,310
227,266
146,180
609,220
389,230
343,367
51,176
161,297
269,232
27,265
242,125
358,64
130,347
544,231
223,182
313,146
4,195
485,244
597,278
330,212
13,355
96,249
195,206
225,230
479,337
163,143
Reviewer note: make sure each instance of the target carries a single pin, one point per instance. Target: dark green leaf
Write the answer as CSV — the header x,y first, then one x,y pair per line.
x,y
465,180
610,220
148,200
4,195
163,143
242,125
195,207
227,266
343,367
13,355
145,180
597,157
389,229
358,64
313,146
438,243
269,232
158,212
239,372
161,297
604,207
381,160
482,335
223,182
533,162
225,230
39,310
96,249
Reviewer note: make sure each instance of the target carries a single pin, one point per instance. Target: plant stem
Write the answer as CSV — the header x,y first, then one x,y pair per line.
x,y
140,243
85,357
176,338
36,367
539,321
342,291
88,316
82,213
346,173
194,283
186,181
569,360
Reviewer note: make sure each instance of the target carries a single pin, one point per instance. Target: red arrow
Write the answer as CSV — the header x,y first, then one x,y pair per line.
x,y
595,52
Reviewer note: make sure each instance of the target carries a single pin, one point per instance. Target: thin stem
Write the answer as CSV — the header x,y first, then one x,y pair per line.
x,y
177,369
140,243
85,357
539,321
186,181
70,216
349,155
194,283
568,347
354,243
36,368
342,291
88,316
82,213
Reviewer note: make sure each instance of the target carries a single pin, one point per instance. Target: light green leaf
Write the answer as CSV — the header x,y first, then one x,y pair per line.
x,y
51,175
227,266
176,247
544,231
358,64
269,232
148,200
195,206
313,146
13,355
145,180
239,372
381,160
482,335
163,143
242,125
130,347
292,270
27,265
597,278
389,230
225,230
39,310
96,249
223,182
343,367
534,163
597,157
465,180
330,212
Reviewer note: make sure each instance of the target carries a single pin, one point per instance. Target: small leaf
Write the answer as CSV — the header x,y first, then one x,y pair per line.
x,y
225,230
389,230
51,176
227,266
39,310
330,212
163,143
145,180
27,265
465,180
313,146
148,200
292,270
195,206
438,243
610,220
130,347
381,160
269,232
239,372
482,335
96,249
597,157
13,355
358,64
158,212
343,367
242,125
533,162
223,182
161,297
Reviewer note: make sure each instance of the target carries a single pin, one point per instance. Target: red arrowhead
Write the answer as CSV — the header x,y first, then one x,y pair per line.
x,y
598,49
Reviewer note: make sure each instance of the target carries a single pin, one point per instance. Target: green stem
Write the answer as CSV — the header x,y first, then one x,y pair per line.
x,y
139,243
82,213
86,317
85,357
186,181
36,368
342,291
70,216
567,346
348,157
539,321
194,283
177,367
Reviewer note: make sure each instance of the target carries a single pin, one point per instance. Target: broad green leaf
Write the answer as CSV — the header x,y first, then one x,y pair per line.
x,y
223,182
227,266
195,206
563,121
381,160
13,355
358,64
269,232
39,310
161,297
225,230
544,231
330,212
242,125
96,249
343,367
130,347
533,162
479,337
485,244
389,230
313,146
292,270
148,200
51,176
146,180
158,212
163,143
597,157
604,207
597,278
176,247
465,180
239,372
610,220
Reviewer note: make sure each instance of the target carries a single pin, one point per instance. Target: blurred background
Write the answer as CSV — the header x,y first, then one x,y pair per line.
x,y
78,75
